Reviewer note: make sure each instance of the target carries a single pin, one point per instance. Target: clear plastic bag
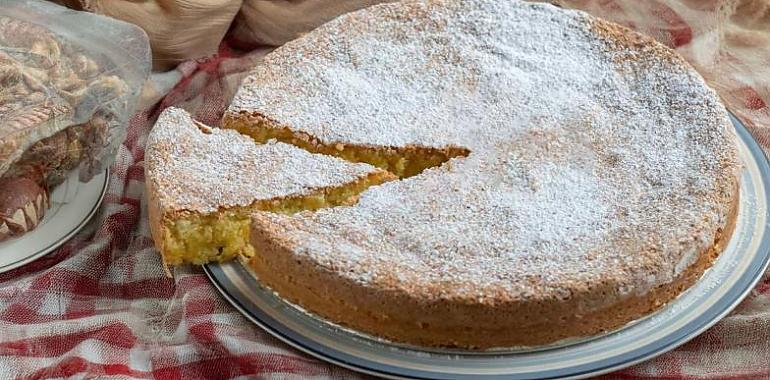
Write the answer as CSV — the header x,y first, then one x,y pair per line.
x,y
58,69
69,82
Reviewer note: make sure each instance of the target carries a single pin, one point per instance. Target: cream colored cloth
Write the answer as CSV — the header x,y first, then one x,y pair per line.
x,y
275,22
179,30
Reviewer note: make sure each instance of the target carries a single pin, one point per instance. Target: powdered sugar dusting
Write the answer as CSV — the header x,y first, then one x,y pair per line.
x,y
593,160
201,169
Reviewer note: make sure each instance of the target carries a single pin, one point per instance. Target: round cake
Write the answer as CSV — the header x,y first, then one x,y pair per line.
x,y
560,175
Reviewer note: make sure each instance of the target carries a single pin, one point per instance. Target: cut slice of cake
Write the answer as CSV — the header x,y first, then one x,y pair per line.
x,y
203,182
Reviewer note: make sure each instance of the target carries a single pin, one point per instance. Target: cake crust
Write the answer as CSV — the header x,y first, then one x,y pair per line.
x,y
600,180
403,317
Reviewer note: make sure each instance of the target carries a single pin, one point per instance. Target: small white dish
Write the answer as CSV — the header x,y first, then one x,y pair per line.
x,y
73,204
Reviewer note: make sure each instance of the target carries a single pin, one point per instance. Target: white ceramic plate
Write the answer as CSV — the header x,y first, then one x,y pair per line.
x,y
720,289
73,203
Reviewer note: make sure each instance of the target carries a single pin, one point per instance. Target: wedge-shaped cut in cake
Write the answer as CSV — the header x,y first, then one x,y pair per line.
x,y
403,161
203,182
590,174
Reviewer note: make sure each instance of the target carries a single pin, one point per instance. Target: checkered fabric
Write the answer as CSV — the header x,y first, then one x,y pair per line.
x,y
101,306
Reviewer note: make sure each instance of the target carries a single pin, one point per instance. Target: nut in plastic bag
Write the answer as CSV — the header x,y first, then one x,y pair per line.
x,y
69,82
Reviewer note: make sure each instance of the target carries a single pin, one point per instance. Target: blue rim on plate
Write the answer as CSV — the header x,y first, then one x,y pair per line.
x,y
729,281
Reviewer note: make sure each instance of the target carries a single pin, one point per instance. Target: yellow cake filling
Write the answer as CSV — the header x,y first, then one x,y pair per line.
x,y
405,162
220,236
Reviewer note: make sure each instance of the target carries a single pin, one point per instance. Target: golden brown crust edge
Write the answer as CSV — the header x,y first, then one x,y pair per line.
x,y
396,316
155,216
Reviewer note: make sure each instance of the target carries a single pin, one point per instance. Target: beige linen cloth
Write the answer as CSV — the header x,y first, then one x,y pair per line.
x,y
180,30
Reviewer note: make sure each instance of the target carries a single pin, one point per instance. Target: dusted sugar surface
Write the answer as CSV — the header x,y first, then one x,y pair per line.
x,y
598,158
202,169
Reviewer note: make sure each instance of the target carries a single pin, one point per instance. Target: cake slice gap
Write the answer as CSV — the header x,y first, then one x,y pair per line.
x,y
203,183
403,161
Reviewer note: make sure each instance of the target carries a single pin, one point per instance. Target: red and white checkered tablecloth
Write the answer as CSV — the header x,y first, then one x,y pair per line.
x,y
101,306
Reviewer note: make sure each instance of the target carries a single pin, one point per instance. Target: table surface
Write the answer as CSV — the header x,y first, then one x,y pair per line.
x,y
101,305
